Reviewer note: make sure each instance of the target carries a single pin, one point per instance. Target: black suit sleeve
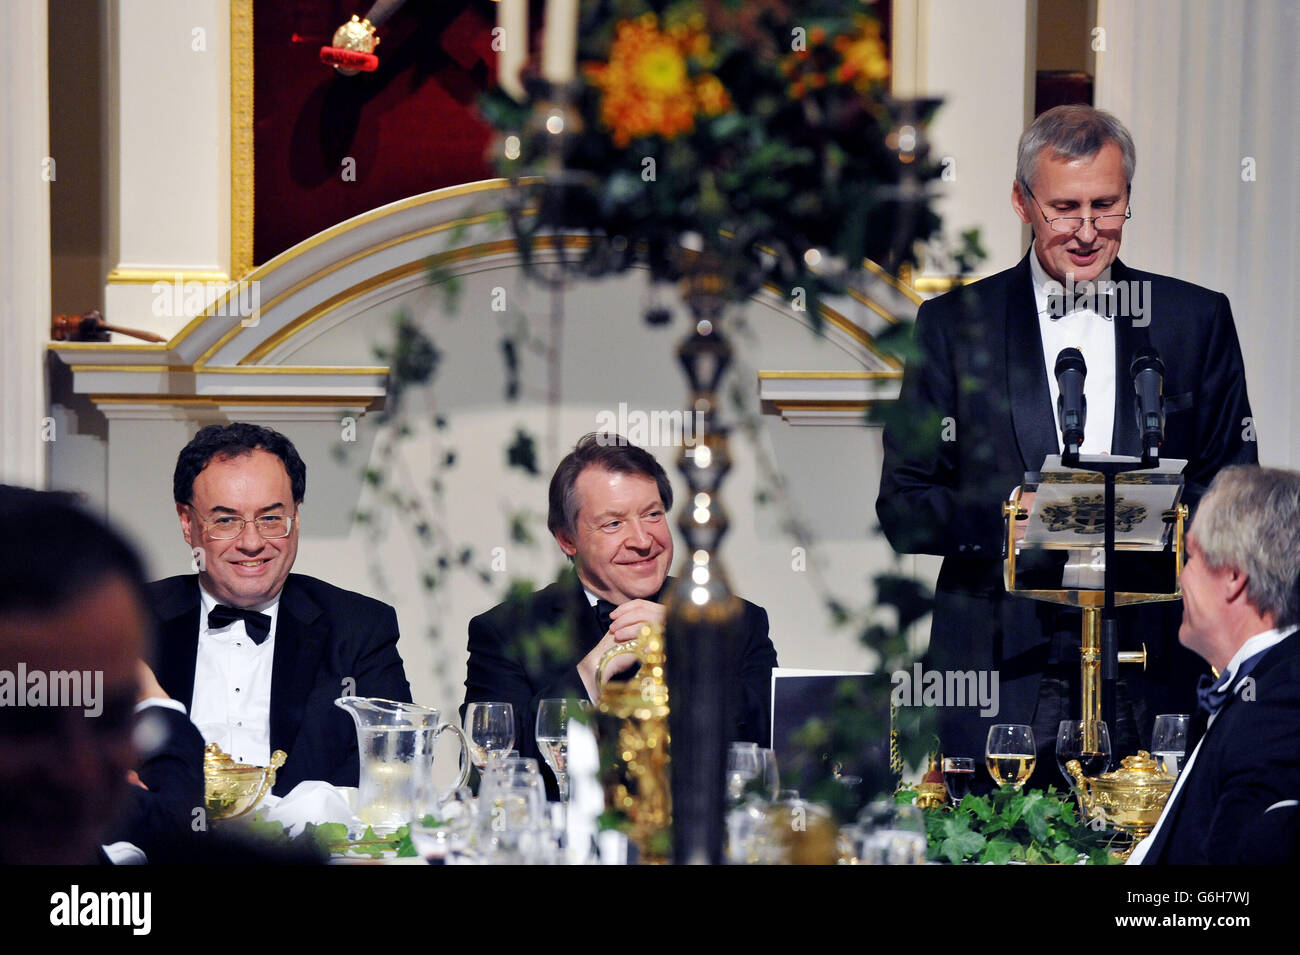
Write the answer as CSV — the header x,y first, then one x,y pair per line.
x,y
755,724
159,820
1225,430
922,506
379,670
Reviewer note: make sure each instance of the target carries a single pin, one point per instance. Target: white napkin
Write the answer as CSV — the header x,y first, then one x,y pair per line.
x,y
310,801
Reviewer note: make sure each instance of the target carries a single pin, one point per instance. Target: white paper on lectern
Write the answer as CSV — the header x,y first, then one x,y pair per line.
x,y
1153,499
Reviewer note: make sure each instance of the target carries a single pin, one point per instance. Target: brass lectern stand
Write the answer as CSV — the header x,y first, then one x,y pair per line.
x,y
1082,523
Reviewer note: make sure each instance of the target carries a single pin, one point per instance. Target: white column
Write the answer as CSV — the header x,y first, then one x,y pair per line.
x,y
26,171
979,57
1211,92
169,201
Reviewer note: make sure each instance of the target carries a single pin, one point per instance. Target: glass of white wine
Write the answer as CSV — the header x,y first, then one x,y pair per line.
x,y
1009,754
490,729
552,732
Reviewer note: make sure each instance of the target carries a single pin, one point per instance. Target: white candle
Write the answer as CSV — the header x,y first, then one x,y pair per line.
x,y
560,51
512,18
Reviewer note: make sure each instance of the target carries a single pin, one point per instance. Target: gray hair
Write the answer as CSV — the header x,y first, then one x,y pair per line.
x,y
1250,520
1074,132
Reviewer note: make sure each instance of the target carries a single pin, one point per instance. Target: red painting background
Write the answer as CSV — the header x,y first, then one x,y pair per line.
x,y
410,126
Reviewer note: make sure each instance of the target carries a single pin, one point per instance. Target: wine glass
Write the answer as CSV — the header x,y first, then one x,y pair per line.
x,y
743,765
1086,741
769,777
553,740
490,729
1169,741
958,777
1009,754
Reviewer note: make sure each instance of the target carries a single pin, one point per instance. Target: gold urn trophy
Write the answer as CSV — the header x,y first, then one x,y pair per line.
x,y
633,716
232,789
1111,517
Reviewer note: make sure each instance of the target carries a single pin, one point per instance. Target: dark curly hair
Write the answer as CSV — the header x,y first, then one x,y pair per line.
x,y
66,551
231,441
602,450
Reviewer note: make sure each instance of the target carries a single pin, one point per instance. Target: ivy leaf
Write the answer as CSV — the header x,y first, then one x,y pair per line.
x,y
522,452
956,848
1065,854
998,851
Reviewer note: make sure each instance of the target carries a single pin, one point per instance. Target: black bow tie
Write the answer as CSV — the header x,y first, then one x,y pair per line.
x,y
257,624
1211,694
603,610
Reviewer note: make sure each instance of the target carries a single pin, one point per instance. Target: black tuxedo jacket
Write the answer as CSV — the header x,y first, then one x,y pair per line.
x,y
1228,812
324,636
502,667
980,377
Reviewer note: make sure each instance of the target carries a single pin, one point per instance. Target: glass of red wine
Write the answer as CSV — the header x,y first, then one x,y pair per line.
x,y
1086,741
958,775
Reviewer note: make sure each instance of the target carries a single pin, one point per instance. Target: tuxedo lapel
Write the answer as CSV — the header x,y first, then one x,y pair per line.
x,y
1027,387
176,607
299,644
1128,339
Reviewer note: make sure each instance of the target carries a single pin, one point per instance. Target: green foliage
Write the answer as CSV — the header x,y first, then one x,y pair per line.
x,y
1034,827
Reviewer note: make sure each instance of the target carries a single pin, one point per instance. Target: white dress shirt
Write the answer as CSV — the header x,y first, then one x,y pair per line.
x,y
232,686
1256,644
1094,335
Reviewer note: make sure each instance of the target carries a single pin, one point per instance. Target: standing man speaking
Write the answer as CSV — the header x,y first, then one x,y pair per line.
x,y
978,410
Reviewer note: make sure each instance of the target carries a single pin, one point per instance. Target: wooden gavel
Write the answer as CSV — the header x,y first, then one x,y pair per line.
x,y
91,327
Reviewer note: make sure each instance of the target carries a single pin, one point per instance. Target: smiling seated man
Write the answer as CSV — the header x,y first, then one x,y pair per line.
x,y
259,654
609,504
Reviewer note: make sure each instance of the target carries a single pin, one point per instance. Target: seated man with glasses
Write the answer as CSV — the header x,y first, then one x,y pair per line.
x,y
978,409
256,653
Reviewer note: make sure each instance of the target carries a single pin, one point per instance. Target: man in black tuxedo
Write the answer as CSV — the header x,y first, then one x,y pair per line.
x,y
259,655
1237,800
609,503
977,411
117,764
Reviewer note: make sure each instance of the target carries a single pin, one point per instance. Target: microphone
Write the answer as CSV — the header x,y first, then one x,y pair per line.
x,y
1071,405
1148,373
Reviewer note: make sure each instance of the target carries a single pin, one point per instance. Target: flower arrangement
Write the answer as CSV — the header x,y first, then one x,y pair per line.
x,y
761,133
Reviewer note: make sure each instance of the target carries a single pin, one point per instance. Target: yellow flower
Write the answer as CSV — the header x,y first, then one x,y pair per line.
x,y
646,86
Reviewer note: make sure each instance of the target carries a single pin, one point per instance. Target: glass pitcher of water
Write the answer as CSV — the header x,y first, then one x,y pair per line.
x,y
396,743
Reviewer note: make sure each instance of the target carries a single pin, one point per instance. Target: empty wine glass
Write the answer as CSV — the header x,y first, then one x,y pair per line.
x,y
768,780
1084,740
553,740
743,765
490,729
1009,754
1169,741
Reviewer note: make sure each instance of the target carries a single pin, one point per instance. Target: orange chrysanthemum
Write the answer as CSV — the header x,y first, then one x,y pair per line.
x,y
647,88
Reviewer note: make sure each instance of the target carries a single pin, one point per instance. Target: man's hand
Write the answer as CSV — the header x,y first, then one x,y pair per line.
x,y
150,689
625,623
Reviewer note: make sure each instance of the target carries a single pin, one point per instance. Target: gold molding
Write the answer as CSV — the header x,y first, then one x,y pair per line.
x,y
259,370
798,404
305,401
241,137
942,283
902,284
828,375
150,276
396,274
